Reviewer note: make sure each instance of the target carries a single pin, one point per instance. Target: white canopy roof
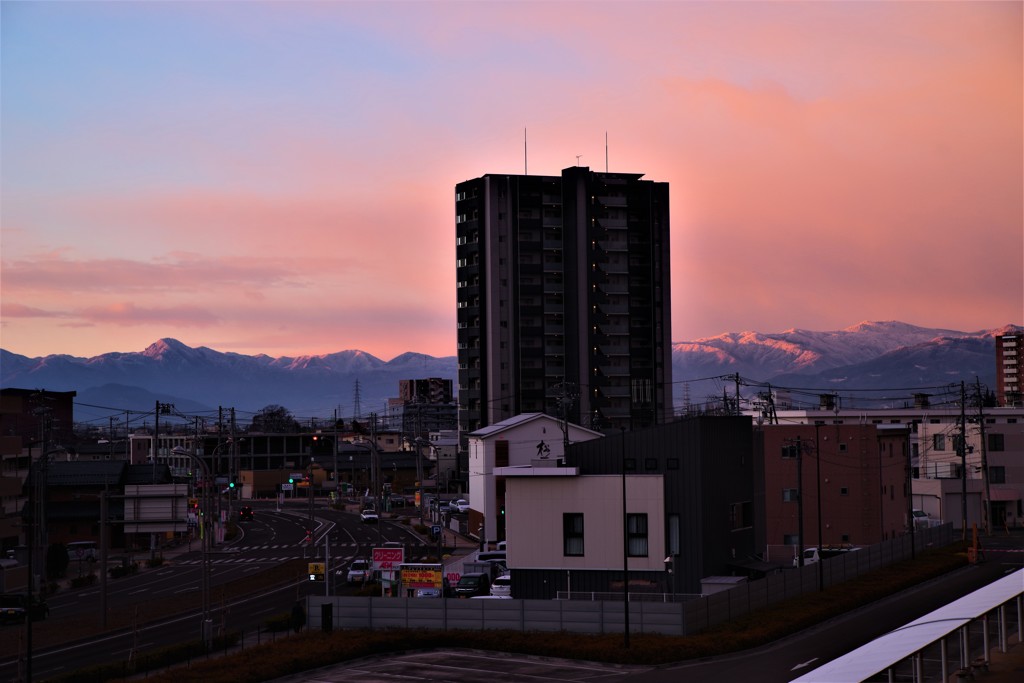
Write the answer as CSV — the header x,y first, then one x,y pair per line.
x,y
895,646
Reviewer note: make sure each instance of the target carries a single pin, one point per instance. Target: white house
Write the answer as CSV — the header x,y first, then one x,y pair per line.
x,y
524,440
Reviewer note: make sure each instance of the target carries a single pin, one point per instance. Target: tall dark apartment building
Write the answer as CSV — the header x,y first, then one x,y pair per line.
x,y
564,299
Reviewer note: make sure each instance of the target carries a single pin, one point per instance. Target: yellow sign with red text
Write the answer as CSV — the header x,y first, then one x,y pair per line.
x,y
421,575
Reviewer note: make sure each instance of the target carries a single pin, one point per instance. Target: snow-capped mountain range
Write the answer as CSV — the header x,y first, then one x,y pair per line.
x,y
890,357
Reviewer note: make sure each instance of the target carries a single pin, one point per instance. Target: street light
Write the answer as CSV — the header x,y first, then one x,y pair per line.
x,y
213,455
625,548
38,526
206,628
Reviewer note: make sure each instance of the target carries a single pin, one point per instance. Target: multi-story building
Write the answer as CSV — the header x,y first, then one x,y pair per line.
x,y
1009,357
423,406
834,483
967,461
563,296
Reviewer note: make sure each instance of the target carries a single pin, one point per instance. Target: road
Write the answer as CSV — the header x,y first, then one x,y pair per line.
x,y
275,538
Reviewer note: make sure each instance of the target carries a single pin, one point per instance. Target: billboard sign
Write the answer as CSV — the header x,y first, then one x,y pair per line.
x,y
387,559
421,575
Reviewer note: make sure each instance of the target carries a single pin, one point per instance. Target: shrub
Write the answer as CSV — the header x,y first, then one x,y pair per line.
x,y
279,622
83,581
123,570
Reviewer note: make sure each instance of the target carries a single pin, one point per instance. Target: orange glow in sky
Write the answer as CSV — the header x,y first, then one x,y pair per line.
x,y
279,178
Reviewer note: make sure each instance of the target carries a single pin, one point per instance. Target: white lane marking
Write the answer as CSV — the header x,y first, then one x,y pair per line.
x,y
807,663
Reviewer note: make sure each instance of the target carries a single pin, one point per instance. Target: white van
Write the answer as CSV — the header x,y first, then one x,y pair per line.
x,y
82,551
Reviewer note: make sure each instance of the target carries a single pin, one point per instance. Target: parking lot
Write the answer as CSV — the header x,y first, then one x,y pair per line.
x,y
465,666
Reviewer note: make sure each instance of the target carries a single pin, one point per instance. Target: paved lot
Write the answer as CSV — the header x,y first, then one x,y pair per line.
x,y
464,666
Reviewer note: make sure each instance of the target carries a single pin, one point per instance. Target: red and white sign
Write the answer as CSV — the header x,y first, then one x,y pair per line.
x,y
388,559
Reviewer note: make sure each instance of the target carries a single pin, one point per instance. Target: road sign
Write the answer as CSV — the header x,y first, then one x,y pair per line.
x,y
287,487
388,559
435,530
317,570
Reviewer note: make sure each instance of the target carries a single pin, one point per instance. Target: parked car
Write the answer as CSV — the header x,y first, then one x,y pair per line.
x,y
360,571
502,586
427,593
245,512
15,606
368,517
473,584
82,551
459,505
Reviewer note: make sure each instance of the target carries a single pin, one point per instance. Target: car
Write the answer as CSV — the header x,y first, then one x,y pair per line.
x,y
368,517
502,586
397,501
14,608
245,512
459,505
360,571
82,551
427,593
473,584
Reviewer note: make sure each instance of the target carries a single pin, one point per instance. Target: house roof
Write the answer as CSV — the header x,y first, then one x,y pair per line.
x,y
85,473
522,419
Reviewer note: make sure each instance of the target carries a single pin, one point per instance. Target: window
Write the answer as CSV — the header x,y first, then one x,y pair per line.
x,y
673,463
843,491
650,464
741,515
789,495
842,448
939,442
789,451
572,534
997,474
996,442
790,539
636,535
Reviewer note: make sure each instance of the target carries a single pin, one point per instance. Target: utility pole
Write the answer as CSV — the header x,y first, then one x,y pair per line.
x,y
961,448
800,497
987,503
232,460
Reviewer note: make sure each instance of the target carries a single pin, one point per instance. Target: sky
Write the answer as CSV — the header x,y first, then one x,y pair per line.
x,y
278,177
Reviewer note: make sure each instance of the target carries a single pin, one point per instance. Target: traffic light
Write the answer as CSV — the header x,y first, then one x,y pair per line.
x,y
291,480
231,484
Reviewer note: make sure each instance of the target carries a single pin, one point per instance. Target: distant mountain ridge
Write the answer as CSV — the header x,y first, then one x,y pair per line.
x,y
869,355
